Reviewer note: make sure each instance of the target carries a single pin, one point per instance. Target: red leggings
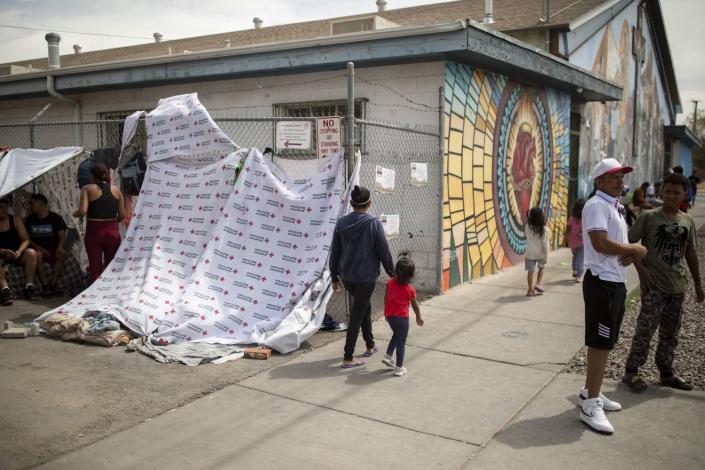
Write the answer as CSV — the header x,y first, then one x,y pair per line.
x,y
102,241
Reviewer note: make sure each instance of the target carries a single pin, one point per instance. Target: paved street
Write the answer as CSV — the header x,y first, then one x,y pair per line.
x,y
484,391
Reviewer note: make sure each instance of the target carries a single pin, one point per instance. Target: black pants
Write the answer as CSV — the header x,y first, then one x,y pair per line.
x,y
360,316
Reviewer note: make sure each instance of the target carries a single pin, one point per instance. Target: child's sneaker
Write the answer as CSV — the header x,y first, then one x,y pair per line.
x,y
399,371
387,361
539,288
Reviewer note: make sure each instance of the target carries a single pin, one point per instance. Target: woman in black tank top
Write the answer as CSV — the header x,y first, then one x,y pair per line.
x,y
14,249
105,208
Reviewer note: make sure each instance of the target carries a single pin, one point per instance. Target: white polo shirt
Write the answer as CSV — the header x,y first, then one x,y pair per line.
x,y
602,213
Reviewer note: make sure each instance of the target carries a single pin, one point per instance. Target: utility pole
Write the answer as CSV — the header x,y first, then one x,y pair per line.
x,y
695,116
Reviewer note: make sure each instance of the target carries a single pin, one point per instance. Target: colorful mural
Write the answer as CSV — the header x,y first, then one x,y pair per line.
x,y
506,151
632,134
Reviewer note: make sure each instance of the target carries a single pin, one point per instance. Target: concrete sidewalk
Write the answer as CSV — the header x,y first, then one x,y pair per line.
x,y
484,391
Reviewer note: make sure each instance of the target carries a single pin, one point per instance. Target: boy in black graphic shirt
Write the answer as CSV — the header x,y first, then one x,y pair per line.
x,y
669,235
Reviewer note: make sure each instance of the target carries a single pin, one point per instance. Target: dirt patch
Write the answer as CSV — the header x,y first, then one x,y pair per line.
x,y
57,396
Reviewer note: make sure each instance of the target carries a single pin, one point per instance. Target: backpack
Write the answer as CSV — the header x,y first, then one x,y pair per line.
x,y
133,174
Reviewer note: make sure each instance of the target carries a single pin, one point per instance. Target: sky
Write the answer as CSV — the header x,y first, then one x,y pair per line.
x,y
184,18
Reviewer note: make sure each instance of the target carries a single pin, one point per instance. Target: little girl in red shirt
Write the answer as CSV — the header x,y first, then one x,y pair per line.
x,y
399,295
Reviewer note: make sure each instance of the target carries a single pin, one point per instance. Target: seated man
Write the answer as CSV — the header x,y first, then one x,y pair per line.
x,y
47,234
14,249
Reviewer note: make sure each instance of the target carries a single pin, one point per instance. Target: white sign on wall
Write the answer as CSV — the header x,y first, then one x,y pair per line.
x,y
419,174
390,224
384,180
293,135
329,136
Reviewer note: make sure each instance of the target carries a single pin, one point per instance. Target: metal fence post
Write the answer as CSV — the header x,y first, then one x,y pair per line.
x,y
441,152
350,120
350,149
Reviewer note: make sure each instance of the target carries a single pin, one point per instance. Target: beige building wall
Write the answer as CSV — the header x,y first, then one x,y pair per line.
x,y
418,83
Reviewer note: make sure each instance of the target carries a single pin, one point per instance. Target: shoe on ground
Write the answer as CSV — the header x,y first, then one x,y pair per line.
x,y
607,404
399,371
635,382
6,297
592,413
539,288
387,361
31,293
676,382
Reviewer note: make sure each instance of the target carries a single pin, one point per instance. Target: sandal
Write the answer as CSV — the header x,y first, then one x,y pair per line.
x,y
676,382
352,365
370,352
635,383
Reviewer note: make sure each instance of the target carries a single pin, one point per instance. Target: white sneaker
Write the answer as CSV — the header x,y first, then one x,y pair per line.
x,y
592,414
399,371
387,361
607,404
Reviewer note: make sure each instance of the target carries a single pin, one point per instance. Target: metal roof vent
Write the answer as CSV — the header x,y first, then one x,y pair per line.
x,y
258,22
489,14
53,40
381,6
77,49
157,37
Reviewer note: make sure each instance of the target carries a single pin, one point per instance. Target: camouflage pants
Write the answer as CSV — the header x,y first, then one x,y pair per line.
x,y
658,310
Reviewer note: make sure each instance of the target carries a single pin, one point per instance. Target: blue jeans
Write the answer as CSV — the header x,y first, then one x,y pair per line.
x,y
578,257
400,329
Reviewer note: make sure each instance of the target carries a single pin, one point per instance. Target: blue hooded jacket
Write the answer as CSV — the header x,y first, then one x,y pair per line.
x,y
359,245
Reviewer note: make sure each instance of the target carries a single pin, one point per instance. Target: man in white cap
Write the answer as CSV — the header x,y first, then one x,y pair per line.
x,y
605,240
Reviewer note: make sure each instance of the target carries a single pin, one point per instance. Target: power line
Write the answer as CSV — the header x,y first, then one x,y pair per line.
x,y
382,85
74,32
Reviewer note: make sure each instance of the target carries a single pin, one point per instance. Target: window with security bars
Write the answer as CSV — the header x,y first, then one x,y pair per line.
x,y
110,132
319,109
324,108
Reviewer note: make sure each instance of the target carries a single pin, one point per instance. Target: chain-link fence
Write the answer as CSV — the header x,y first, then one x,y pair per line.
x,y
391,146
416,202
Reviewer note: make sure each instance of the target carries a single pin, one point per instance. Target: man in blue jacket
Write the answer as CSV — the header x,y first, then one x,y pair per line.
x,y
358,247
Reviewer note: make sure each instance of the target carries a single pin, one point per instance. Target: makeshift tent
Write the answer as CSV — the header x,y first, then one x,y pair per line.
x,y
223,246
52,173
21,166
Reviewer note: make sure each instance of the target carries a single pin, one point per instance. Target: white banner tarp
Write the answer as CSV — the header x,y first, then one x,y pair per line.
x,y
181,127
214,257
204,260
21,166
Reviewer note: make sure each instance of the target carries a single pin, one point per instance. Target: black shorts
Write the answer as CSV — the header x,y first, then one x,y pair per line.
x,y
604,311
